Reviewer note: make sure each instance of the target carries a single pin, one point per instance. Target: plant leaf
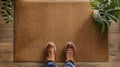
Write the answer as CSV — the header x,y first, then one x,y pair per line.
x,y
6,10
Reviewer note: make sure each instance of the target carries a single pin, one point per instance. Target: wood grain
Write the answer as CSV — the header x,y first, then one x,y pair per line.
x,y
52,0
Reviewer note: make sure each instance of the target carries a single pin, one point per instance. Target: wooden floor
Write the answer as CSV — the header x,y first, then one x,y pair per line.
x,y
7,49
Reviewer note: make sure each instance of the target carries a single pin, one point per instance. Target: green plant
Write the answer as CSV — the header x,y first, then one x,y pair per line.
x,y
7,11
105,12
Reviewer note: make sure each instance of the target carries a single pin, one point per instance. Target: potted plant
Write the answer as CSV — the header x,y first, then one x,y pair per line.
x,y
7,11
105,12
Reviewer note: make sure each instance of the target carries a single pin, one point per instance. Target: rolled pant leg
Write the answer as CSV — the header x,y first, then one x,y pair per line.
x,y
51,64
69,64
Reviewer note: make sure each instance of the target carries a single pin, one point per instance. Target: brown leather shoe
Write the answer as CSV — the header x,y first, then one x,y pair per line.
x,y
50,52
70,52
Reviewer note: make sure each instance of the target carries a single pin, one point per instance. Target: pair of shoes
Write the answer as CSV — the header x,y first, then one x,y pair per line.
x,y
50,52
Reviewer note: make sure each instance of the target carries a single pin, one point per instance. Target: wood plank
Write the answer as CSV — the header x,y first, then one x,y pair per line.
x,y
52,0
29,64
6,52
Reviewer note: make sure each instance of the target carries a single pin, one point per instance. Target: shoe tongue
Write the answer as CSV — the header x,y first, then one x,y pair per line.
x,y
70,52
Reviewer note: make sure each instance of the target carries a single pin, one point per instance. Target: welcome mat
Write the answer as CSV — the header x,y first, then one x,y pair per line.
x,y
38,23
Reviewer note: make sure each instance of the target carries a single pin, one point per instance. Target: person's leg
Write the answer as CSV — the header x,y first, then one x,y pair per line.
x,y
69,64
50,54
51,64
70,51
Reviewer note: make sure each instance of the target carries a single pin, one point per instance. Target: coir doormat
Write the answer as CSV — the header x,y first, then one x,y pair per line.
x,y
37,23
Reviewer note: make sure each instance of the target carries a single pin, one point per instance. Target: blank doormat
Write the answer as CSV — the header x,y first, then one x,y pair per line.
x,y
38,23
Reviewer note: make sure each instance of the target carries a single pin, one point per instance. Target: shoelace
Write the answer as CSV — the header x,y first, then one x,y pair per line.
x,y
69,54
50,55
